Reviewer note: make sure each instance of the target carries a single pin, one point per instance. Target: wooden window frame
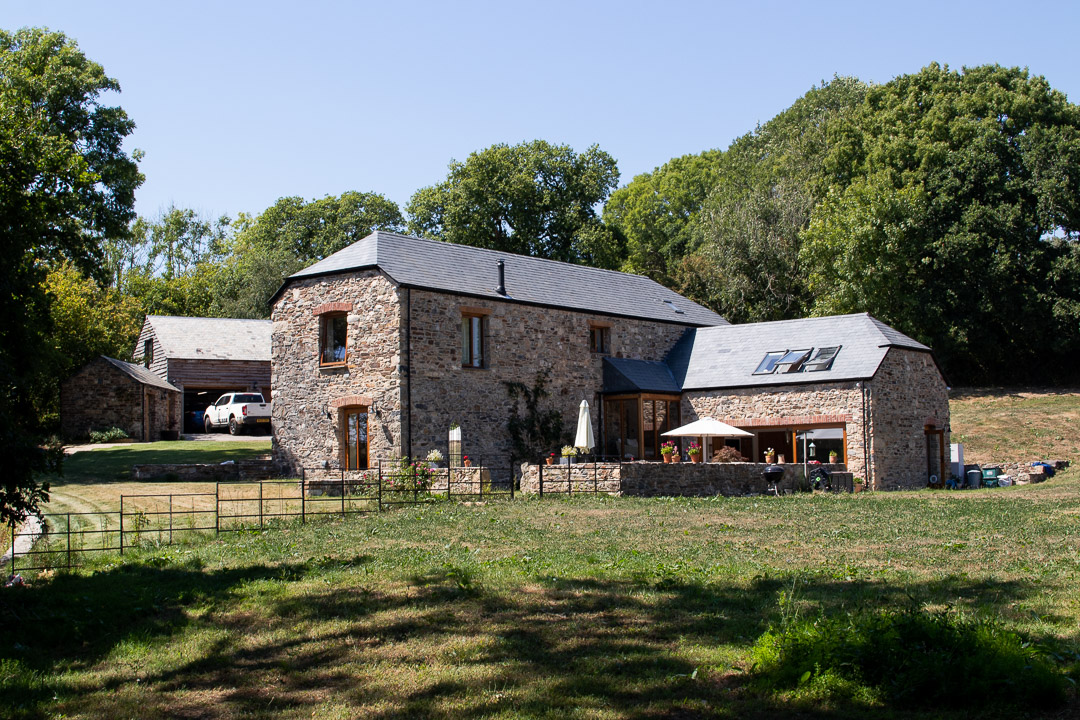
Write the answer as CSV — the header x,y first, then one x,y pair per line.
x,y
641,399
480,315
603,330
345,412
324,320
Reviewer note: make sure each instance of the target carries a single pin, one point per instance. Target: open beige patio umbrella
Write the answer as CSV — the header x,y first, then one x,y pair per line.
x,y
707,427
584,436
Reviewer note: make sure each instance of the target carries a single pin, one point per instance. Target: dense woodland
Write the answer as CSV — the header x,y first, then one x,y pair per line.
x,y
945,202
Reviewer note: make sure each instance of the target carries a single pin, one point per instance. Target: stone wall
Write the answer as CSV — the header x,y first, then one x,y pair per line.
x,y
907,393
101,396
649,479
521,340
578,478
309,399
765,408
244,471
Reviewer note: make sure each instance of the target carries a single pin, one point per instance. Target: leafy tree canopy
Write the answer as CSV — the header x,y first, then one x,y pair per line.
x,y
66,185
748,232
288,236
656,212
533,199
953,214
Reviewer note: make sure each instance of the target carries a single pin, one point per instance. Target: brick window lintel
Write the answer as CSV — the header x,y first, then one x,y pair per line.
x,y
332,307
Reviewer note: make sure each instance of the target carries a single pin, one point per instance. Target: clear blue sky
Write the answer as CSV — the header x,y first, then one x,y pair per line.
x,y
240,103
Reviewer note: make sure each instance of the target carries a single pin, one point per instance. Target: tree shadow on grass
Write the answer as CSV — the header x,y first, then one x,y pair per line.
x,y
114,464
442,644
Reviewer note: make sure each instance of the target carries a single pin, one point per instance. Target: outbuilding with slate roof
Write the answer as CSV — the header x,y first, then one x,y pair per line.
x,y
206,357
380,348
108,393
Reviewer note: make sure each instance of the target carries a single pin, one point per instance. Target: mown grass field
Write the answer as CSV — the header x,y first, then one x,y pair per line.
x,y
582,608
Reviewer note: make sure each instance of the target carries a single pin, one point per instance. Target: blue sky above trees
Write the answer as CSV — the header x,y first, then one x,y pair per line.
x,y
243,103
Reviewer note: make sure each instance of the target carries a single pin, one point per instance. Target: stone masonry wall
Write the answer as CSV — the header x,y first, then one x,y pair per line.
x,y
785,406
907,393
100,396
650,479
520,341
307,420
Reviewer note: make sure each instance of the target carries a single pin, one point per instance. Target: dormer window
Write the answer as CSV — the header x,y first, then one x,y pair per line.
x,y
822,359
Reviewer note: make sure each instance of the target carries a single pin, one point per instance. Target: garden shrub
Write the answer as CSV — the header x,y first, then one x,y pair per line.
x,y
906,658
111,435
727,454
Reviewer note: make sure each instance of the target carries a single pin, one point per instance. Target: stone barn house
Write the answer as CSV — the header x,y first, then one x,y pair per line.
x,y
379,348
204,358
108,393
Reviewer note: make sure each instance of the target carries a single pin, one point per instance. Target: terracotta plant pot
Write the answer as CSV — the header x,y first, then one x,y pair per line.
x,y
770,459
549,460
667,458
675,458
467,463
695,458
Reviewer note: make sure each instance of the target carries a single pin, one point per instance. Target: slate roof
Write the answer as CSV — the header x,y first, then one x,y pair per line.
x,y
633,376
141,374
191,338
727,356
462,269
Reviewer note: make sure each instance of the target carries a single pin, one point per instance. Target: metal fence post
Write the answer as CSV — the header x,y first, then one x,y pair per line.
x,y
540,471
217,508
13,556
170,519
569,477
303,501
343,492
68,542
260,504
121,524
380,486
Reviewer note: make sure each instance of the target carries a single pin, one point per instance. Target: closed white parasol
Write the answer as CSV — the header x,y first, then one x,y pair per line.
x,y
584,436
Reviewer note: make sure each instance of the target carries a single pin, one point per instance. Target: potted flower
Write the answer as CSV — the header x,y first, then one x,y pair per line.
x,y
770,456
833,456
568,452
667,450
466,462
435,457
694,451
550,459
858,485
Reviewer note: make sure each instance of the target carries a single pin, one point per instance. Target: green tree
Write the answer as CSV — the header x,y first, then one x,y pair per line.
x,y
66,185
533,199
749,230
655,214
288,236
953,215
86,320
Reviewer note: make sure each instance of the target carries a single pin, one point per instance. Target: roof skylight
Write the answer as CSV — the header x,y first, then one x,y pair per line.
x,y
822,359
768,364
792,362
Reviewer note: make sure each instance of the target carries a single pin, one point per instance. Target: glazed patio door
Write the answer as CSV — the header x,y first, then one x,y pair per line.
x,y
356,439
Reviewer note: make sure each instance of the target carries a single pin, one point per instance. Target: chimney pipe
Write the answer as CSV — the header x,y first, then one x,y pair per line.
x,y
502,278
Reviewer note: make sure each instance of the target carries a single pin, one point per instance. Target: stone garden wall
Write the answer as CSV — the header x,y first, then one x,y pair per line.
x,y
244,470
647,479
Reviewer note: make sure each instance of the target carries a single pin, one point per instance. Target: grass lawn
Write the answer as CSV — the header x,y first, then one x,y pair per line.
x,y
581,608
999,425
94,480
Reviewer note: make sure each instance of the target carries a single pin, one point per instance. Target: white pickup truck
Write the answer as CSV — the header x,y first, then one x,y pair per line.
x,y
238,412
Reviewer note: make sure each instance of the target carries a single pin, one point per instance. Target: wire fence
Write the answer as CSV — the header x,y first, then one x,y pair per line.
x,y
65,540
